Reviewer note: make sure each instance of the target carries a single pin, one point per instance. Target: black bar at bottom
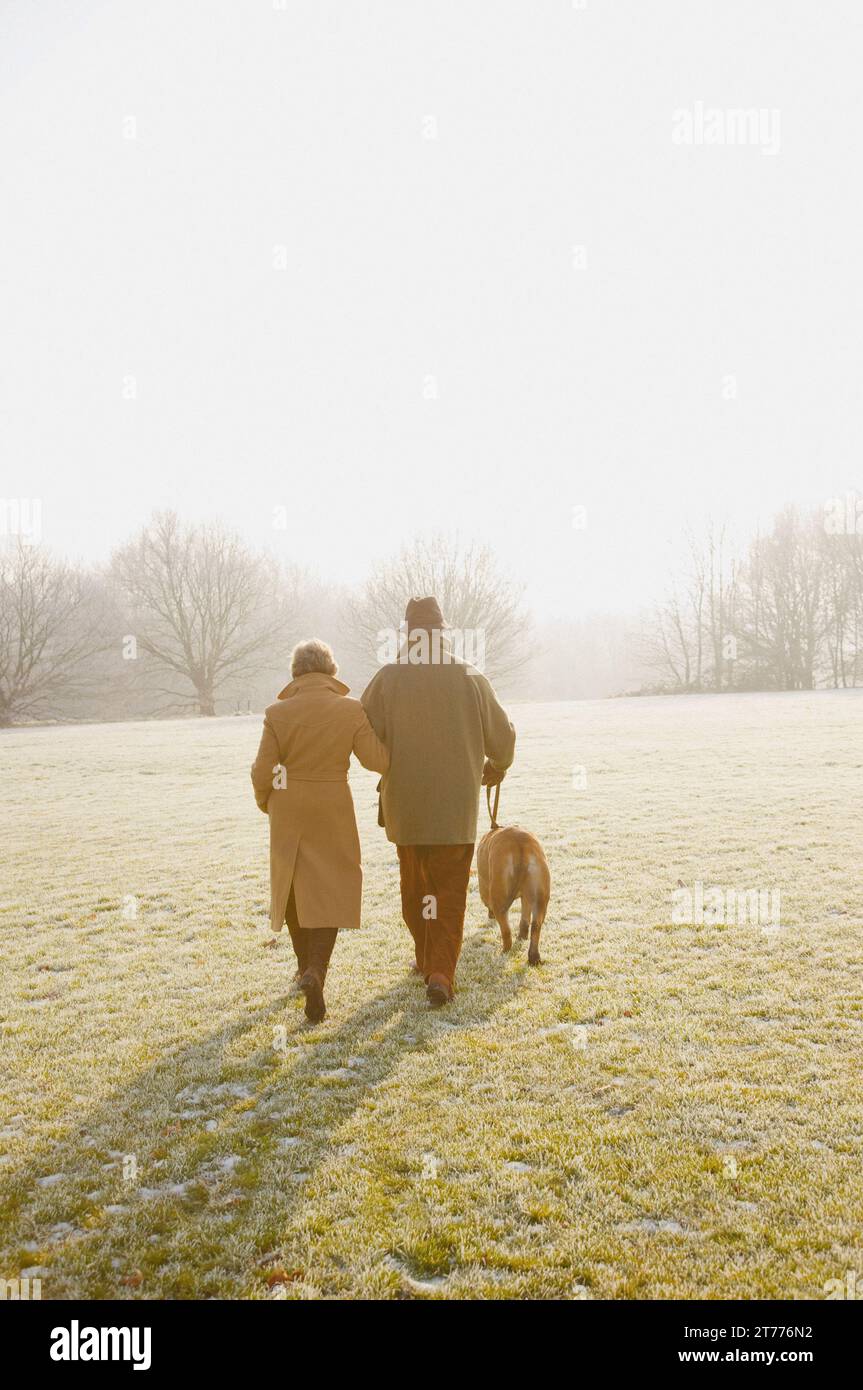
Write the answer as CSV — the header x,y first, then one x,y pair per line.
x,y
253,1337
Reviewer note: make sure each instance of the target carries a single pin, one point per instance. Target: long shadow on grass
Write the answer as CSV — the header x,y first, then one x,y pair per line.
x,y
192,1139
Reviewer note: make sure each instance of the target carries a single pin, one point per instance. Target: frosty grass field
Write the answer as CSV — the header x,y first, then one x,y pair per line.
x,y
660,1110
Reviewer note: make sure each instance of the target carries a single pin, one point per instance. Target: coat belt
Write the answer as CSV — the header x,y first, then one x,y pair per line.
x,y
327,781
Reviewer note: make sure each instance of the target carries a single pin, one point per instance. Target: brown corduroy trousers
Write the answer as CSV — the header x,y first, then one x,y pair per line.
x,y
313,946
434,880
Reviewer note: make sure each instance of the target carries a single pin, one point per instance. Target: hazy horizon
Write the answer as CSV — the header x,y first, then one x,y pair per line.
x,y
408,268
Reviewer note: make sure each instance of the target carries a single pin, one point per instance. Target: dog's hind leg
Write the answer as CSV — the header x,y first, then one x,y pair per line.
x,y
524,924
538,894
501,914
533,956
537,917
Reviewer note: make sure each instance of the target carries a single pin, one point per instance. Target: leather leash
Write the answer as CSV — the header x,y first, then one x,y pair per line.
x,y
492,813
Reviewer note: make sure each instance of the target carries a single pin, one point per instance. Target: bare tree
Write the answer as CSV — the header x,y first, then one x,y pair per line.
x,y
688,639
720,603
51,628
793,612
473,594
842,559
842,610
696,592
670,644
203,607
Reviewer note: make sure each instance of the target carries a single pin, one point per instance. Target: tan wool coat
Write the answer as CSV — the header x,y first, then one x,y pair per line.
x,y
439,722
300,777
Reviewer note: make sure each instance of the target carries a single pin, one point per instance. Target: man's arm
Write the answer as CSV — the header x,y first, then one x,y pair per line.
x,y
372,701
498,732
368,747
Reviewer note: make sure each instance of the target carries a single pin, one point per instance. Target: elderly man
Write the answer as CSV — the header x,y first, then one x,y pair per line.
x,y
446,734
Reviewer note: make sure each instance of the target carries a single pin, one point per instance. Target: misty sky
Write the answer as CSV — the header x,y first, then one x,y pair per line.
x,y
339,258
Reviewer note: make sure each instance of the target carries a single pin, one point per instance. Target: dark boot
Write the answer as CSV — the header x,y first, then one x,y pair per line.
x,y
321,941
311,987
438,991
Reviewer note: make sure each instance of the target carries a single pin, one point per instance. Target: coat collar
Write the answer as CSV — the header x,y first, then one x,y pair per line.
x,y
313,680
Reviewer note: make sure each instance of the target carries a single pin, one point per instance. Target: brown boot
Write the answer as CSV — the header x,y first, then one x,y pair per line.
x,y
438,991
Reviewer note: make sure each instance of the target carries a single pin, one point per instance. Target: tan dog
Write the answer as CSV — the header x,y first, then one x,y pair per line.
x,y
511,864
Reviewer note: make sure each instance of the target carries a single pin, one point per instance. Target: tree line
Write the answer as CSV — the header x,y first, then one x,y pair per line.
x,y
189,619
785,613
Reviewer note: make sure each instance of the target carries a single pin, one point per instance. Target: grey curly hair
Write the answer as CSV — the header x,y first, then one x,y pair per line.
x,y
313,655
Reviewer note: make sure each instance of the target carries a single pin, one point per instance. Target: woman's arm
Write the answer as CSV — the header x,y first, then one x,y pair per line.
x,y
265,764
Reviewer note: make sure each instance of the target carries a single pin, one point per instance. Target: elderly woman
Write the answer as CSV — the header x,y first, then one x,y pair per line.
x,y
300,777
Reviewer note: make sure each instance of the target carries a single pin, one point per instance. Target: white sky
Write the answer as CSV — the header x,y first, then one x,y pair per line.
x,y
410,258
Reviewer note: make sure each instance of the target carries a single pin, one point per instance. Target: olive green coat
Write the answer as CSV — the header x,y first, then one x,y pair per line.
x,y
439,722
